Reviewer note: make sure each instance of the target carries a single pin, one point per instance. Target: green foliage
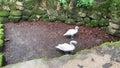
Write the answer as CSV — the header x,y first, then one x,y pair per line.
x,y
51,4
64,3
85,3
103,22
1,36
1,60
4,13
1,43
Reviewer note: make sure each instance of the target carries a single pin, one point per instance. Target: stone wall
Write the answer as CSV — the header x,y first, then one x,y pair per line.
x,y
100,15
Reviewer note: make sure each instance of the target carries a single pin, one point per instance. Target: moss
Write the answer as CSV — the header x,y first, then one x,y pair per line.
x,y
1,60
45,59
79,23
15,12
1,44
33,18
1,31
87,20
4,13
83,51
94,23
1,25
3,19
27,12
70,21
62,18
103,22
14,18
13,6
113,44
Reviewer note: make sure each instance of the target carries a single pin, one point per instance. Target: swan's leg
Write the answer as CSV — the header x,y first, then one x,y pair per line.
x,y
68,52
72,36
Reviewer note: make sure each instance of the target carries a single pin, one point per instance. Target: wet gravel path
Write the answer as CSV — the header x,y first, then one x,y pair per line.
x,y
32,40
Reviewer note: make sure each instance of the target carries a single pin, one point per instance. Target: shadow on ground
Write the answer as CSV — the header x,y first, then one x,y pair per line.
x,y
32,40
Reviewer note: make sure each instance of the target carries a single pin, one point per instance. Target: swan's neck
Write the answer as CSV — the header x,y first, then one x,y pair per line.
x,y
76,29
71,43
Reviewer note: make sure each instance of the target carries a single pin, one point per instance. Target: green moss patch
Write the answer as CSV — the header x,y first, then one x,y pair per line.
x,y
112,44
4,13
1,60
3,19
1,36
15,12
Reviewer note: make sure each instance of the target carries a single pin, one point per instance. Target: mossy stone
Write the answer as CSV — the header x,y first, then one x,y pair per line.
x,y
1,31
62,18
14,18
25,18
15,12
1,44
3,19
1,60
4,13
79,23
1,25
27,12
112,31
79,19
87,20
70,21
116,20
1,37
1,8
103,22
94,23
12,5
33,18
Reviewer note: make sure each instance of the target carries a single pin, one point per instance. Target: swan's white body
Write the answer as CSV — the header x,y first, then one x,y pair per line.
x,y
72,32
67,47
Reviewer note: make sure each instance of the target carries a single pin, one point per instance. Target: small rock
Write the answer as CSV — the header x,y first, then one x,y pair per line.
x,y
20,7
92,59
107,65
82,14
6,8
19,3
80,66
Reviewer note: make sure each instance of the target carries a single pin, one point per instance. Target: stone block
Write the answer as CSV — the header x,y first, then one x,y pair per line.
x,y
15,12
114,26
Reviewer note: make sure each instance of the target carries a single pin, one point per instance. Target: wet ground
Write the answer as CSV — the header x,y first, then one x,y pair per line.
x,y
32,40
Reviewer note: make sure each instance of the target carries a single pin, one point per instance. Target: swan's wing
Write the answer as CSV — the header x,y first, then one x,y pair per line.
x,y
70,32
65,47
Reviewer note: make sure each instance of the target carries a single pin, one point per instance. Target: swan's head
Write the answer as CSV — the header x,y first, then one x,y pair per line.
x,y
76,27
73,42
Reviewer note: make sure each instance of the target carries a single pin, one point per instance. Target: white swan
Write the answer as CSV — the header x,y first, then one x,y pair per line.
x,y
72,32
65,47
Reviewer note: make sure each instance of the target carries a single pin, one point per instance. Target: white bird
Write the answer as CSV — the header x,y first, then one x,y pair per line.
x,y
72,32
65,47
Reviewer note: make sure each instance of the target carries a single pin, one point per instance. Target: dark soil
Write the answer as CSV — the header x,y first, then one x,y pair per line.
x,y
32,40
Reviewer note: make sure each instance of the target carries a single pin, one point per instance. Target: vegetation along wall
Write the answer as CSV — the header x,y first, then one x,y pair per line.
x,y
79,12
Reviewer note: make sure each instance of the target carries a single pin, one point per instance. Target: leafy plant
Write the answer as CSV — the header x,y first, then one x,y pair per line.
x,y
64,3
85,3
